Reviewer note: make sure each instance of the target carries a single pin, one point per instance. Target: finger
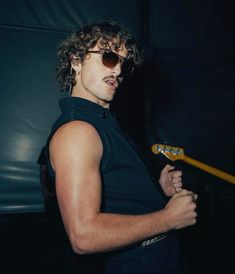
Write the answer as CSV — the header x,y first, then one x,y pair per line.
x,y
178,189
176,180
178,184
177,173
184,192
168,168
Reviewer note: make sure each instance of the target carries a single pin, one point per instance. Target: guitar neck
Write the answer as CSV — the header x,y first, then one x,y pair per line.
x,y
214,171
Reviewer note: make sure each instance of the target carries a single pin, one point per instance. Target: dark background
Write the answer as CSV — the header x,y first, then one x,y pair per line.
x,y
182,96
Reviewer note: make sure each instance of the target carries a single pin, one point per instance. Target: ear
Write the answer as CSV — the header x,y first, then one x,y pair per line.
x,y
76,65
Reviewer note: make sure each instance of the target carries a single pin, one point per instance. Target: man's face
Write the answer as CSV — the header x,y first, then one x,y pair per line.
x,y
96,82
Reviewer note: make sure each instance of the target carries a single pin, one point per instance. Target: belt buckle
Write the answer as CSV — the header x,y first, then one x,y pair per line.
x,y
152,240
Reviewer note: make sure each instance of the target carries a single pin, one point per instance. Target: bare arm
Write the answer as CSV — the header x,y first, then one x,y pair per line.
x,y
76,151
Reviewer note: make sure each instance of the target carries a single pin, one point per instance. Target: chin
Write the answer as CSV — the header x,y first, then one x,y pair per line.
x,y
110,97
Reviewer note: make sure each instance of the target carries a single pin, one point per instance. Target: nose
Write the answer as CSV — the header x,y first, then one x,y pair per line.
x,y
116,71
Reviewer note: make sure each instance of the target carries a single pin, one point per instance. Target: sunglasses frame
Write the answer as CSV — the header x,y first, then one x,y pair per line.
x,y
122,60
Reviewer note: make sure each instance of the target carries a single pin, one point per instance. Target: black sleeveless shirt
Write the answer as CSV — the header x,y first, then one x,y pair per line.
x,y
127,186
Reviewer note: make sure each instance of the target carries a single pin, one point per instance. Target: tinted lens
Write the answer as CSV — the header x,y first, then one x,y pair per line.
x,y
110,59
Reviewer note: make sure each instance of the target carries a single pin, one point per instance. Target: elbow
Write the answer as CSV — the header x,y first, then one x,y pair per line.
x,y
80,249
82,244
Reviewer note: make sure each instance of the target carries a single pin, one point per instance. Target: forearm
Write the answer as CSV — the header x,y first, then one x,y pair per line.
x,y
112,231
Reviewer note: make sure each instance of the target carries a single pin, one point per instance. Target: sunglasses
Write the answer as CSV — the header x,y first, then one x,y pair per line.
x,y
110,59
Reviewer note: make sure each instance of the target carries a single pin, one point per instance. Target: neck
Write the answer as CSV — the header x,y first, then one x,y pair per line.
x,y
77,93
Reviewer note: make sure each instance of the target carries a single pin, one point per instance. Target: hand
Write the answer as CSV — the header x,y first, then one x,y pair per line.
x,y
170,180
181,209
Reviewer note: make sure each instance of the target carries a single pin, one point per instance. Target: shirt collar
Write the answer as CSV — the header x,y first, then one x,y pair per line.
x,y
68,103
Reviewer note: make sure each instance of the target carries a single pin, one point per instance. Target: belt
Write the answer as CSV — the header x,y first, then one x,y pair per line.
x,y
152,240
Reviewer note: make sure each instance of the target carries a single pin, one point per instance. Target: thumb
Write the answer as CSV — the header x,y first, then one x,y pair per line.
x,y
168,168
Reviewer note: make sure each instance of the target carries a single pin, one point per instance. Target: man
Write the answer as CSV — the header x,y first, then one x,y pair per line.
x,y
108,202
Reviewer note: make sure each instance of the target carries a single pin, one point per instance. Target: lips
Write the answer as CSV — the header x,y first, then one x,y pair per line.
x,y
112,82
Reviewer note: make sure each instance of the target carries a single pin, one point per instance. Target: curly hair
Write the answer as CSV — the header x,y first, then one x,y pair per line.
x,y
78,44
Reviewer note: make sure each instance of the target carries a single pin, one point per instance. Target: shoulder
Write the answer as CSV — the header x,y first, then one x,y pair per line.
x,y
76,139
74,131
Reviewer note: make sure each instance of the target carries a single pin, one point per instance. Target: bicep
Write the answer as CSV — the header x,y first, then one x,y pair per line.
x,y
76,151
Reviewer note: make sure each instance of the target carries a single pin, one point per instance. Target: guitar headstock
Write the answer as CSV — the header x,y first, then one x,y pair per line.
x,y
172,153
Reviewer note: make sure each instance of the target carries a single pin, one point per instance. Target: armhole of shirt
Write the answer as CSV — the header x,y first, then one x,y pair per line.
x,y
106,148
